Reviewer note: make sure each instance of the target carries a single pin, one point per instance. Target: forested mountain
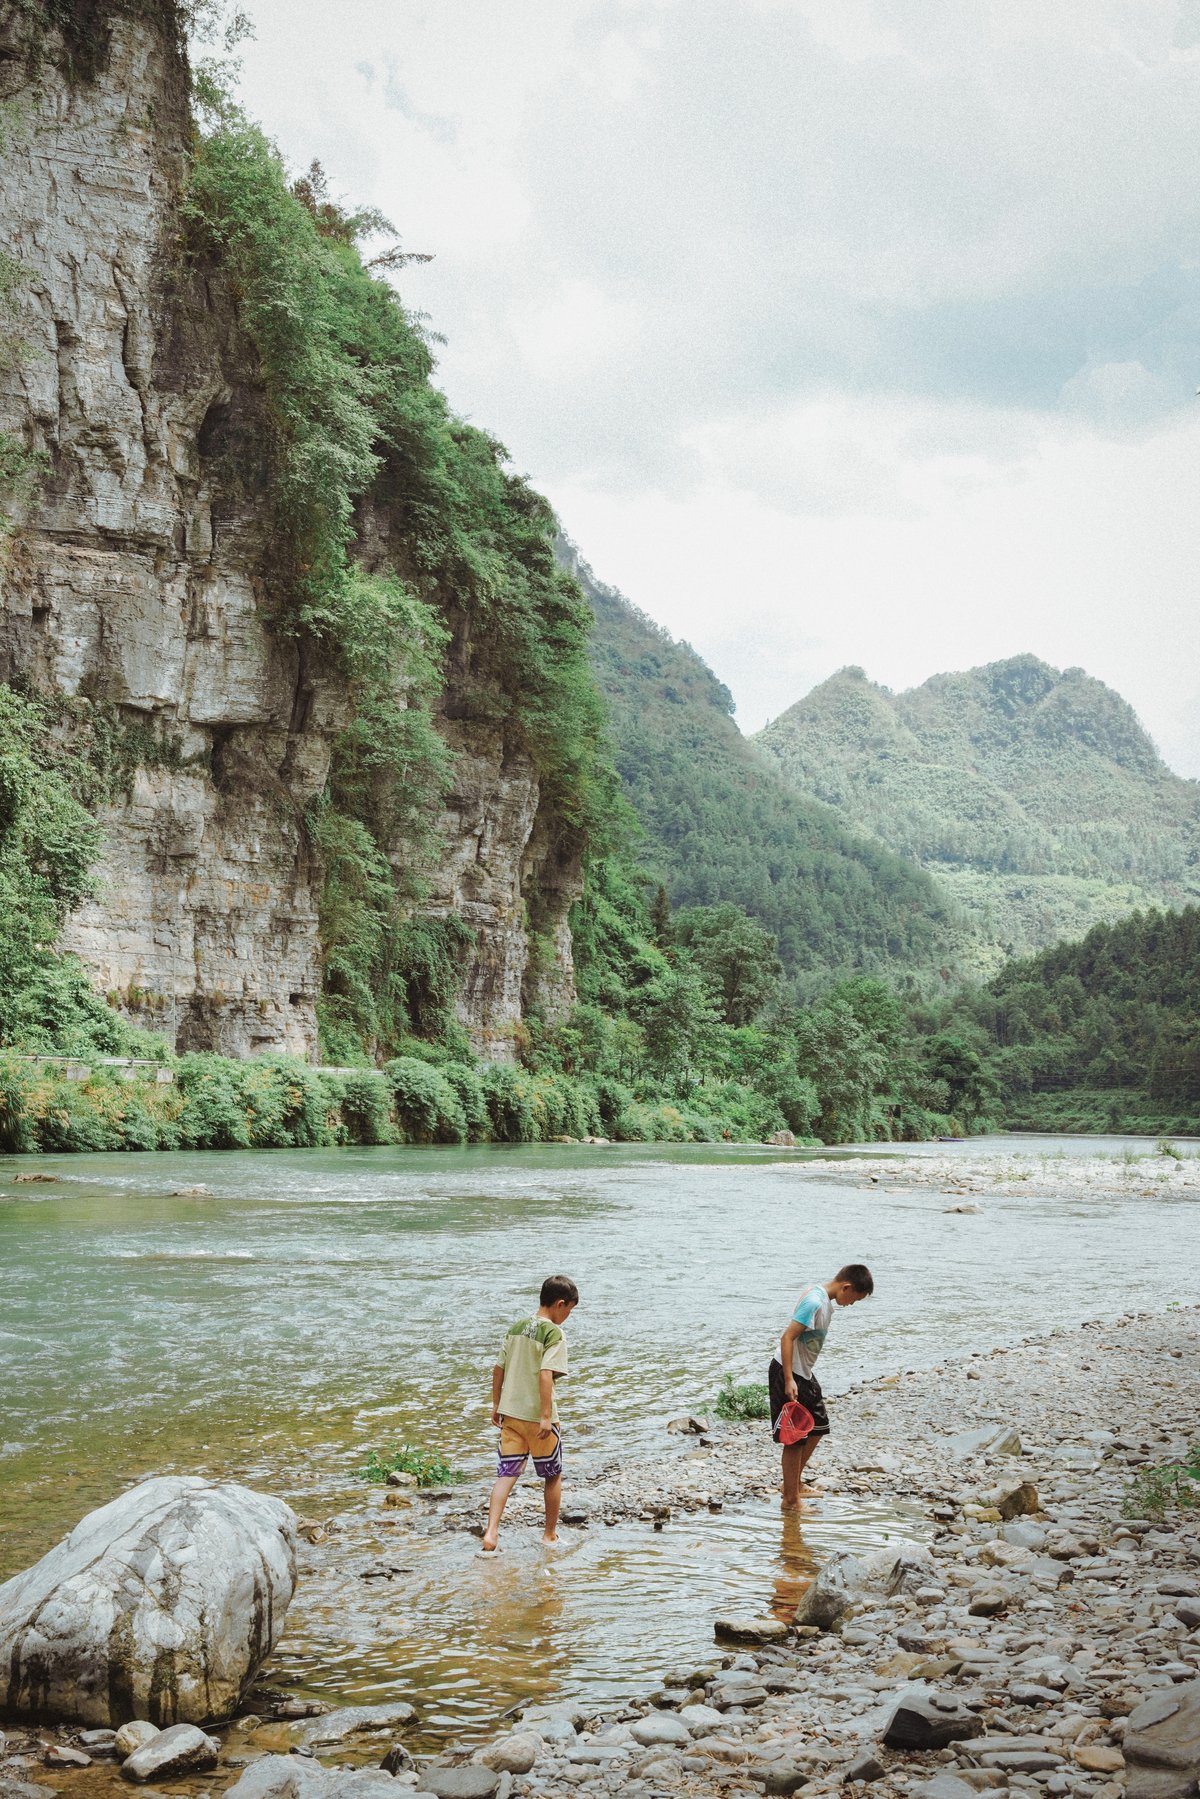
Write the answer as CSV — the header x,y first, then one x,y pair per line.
x,y
721,825
1034,798
1100,1034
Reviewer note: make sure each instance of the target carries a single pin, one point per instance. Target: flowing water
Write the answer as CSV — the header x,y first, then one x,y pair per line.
x,y
316,1305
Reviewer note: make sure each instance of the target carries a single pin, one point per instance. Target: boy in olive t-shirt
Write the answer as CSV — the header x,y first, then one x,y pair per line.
x,y
532,1357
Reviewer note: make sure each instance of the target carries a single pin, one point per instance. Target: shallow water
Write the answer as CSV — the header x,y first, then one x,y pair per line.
x,y
322,1303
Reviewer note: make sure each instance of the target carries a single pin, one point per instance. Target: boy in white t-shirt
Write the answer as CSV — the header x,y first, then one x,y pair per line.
x,y
792,1377
533,1357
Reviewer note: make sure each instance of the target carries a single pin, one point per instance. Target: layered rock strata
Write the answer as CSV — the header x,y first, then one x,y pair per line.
x,y
132,590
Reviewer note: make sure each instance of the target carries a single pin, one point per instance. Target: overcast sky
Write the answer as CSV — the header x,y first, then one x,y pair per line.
x,y
836,330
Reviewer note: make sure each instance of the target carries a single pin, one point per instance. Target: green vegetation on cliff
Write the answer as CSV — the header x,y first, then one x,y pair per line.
x,y
721,825
1034,798
354,423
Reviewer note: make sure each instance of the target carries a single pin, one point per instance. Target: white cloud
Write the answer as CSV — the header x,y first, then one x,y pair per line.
x,y
857,333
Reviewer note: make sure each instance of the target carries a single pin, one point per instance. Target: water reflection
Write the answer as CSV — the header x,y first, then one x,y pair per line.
x,y
796,1567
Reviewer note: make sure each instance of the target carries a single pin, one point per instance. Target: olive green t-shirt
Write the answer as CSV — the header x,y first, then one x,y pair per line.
x,y
530,1345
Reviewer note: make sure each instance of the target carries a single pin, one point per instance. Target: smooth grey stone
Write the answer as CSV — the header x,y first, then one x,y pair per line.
x,y
1022,1761
181,1749
780,1779
659,1727
930,1722
944,1786
1031,1693
358,1720
1162,1745
207,1567
134,1735
512,1754
743,1629
864,1767
473,1782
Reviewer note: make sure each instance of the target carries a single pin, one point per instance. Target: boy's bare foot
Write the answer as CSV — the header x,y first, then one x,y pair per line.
x,y
810,1490
490,1548
789,1505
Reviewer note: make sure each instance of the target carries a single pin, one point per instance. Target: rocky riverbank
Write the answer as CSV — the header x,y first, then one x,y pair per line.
x,y
1174,1168
1045,1636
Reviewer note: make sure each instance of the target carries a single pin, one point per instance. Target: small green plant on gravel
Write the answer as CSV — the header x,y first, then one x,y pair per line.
x,y
1166,1148
430,1468
1154,1491
749,1400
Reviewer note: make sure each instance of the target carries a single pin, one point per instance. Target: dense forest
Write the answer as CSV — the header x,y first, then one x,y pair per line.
x,y
1033,798
719,824
1102,1034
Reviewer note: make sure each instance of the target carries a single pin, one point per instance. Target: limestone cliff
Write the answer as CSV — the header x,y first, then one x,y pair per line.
x,y
133,588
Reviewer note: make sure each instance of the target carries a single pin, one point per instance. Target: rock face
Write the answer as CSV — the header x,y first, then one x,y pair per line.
x,y
133,592
1162,1745
160,1605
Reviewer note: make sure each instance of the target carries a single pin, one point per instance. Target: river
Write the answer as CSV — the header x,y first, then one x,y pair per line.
x,y
315,1305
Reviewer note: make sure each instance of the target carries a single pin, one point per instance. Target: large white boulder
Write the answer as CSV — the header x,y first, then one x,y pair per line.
x,y
160,1605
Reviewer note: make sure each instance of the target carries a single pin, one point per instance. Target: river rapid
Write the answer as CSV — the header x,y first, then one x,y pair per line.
x,y
313,1306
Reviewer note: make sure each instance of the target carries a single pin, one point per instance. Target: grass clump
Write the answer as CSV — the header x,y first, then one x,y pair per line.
x,y
740,1403
428,1466
1164,1487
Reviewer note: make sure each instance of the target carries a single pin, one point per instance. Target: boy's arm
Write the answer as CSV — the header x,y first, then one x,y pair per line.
x,y
546,1396
497,1383
787,1344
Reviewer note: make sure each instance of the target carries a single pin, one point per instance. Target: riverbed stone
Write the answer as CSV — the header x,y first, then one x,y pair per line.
x,y
514,1754
358,1721
785,1777
944,1786
930,1721
741,1628
180,1749
134,1735
659,1727
160,1605
992,1439
702,1720
471,1782
303,1777
1098,1758
833,1594
1162,1745
1018,1502
864,1767
61,1755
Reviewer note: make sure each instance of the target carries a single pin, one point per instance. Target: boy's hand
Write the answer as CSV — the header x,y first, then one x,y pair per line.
x,y
545,1424
789,1388
496,1417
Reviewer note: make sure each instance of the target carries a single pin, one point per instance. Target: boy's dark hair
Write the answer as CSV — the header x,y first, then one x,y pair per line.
x,y
858,1275
559,1286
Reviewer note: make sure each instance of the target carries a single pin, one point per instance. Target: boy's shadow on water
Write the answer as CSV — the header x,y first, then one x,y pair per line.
x,y
796,1568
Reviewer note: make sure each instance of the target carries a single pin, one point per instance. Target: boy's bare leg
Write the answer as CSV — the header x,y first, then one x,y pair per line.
x,y
496,1504
792,1464
795,1459
807,1449
553,1502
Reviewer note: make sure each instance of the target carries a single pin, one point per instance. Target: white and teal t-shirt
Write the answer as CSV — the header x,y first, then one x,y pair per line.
x,y
814,1312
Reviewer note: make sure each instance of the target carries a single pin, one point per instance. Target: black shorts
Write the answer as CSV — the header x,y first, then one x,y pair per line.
x,y
808,1392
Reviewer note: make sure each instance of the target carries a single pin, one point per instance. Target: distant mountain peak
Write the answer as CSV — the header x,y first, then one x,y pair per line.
x,y
1033,794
